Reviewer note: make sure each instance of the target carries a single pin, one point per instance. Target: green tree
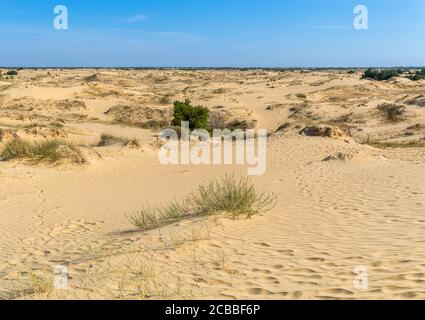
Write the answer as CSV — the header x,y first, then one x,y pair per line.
x,y
196,115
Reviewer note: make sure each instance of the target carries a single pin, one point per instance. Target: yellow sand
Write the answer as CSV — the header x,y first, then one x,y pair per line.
x,y
331,216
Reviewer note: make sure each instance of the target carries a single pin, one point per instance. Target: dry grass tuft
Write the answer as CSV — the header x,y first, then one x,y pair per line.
x,y
52,151
229,195
392,112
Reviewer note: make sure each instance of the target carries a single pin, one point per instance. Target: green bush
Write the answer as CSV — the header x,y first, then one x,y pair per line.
x,y
196,115
381,75
12,73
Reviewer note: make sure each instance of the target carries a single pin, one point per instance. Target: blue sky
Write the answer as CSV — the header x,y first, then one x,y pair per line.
x,y
215,33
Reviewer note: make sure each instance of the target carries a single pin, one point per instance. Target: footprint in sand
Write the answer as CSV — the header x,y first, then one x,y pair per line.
x,y
314,259
263,244
218,282
340,291
261,271
408,295
259,291
287,252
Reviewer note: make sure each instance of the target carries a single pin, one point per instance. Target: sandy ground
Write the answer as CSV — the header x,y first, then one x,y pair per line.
x,y
363,207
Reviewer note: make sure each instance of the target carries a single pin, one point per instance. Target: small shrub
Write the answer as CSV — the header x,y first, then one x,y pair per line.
x,y
381,75
196,115
236,197
301,96
419,75
240,124
11,73
216,120
109,140
50,151
392,112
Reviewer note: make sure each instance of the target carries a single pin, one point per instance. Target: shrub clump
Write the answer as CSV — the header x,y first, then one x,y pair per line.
x,y
49,151
229,195
11,73
419,75
392,112
196,115
216,120
381,75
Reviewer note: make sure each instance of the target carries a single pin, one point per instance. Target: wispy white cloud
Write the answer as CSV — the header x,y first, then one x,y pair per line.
x,y
138,18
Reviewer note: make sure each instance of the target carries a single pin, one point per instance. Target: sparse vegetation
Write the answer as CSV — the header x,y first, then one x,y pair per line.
x,y
5,87
283,127
418,101
154,124
196,115
381,75
417,126
301,96
392,112
40,285
56,124
109,140
49,151
35,285
166,99
240,124
397,144
229,195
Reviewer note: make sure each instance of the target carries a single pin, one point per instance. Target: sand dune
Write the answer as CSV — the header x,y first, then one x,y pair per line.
x,y
343,202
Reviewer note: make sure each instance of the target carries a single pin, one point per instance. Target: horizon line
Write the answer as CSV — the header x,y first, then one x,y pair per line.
x,y
212,68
